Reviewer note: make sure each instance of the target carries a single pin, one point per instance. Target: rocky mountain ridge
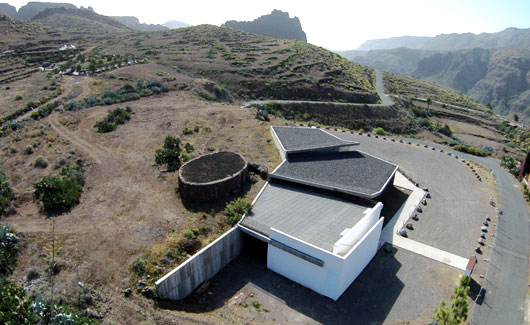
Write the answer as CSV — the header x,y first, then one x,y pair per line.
x,y
277,24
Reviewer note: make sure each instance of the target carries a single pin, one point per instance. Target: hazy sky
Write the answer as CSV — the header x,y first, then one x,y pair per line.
x,y
334,24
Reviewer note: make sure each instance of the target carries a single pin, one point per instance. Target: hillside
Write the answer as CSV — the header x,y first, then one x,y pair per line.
x,y
16,32
252,66
276,24
79,21
134,23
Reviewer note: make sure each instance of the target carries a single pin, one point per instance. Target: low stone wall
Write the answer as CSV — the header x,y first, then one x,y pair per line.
x,y
215,190
180,282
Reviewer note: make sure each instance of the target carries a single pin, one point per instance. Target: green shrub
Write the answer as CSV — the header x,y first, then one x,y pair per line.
x,y
235,210
379,131
510,163
189,148
74,172
28,150
105,126
425,123
18,97
56,194
185,157
138,266
8,249
187,131
171,154
40,162
6,191
113,119
188,233
470,150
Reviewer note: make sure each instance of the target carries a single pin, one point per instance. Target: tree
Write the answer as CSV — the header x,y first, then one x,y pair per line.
x,y
457,313
516,117
429,102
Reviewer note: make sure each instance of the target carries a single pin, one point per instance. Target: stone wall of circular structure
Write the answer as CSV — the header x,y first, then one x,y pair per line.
x,y
212,177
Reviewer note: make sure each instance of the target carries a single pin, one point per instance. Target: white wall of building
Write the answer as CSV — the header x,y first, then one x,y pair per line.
x,y
337,273
352,236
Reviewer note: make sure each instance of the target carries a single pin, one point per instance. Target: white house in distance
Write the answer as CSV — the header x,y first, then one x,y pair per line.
x,y
319,212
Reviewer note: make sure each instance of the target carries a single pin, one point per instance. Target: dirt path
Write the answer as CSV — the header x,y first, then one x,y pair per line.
x,y
95,152
69,85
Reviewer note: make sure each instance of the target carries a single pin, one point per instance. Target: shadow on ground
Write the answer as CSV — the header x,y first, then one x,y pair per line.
x,y
368,300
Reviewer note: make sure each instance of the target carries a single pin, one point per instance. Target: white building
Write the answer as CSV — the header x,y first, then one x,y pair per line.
x,y
319,212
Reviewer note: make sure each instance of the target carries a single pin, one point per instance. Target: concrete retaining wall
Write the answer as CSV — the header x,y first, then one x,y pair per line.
x,y
180,282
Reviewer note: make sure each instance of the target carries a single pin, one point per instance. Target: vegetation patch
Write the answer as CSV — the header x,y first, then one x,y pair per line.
x,y
171,154
235,210
126,93
470,150
59,194
6,192
8,250
457,313
114,118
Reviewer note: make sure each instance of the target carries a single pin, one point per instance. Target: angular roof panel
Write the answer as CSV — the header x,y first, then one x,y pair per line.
x,y
302,139
351,172
313,215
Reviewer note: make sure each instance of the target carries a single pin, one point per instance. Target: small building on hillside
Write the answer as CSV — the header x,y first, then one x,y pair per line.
x,y
319,212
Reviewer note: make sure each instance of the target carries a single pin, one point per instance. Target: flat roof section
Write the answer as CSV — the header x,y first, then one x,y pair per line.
x,y
300,139
312,215
351,172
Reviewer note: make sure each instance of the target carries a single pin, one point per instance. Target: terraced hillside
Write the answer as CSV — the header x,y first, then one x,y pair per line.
x,y
80,21
253,66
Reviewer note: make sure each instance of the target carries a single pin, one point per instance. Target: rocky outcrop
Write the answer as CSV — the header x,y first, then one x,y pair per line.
x,y
277,24
134,23
31,9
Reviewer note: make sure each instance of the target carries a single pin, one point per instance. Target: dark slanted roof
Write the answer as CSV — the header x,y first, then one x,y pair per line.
x,y
352,172
299,139
310,214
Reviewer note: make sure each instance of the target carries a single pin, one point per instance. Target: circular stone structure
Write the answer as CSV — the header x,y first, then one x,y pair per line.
x,y
212,177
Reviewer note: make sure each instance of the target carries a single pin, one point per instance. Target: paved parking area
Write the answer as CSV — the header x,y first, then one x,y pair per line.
x,y
395,288
452,219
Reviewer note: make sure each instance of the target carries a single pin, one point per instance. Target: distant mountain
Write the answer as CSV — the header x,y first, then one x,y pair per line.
x,y
8,10
173,24
510,37
402,60
411,42
31,9
276,24
79,21
134,23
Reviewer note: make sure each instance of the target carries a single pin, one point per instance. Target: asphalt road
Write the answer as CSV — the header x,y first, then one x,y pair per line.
x,y
506,279
380,88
